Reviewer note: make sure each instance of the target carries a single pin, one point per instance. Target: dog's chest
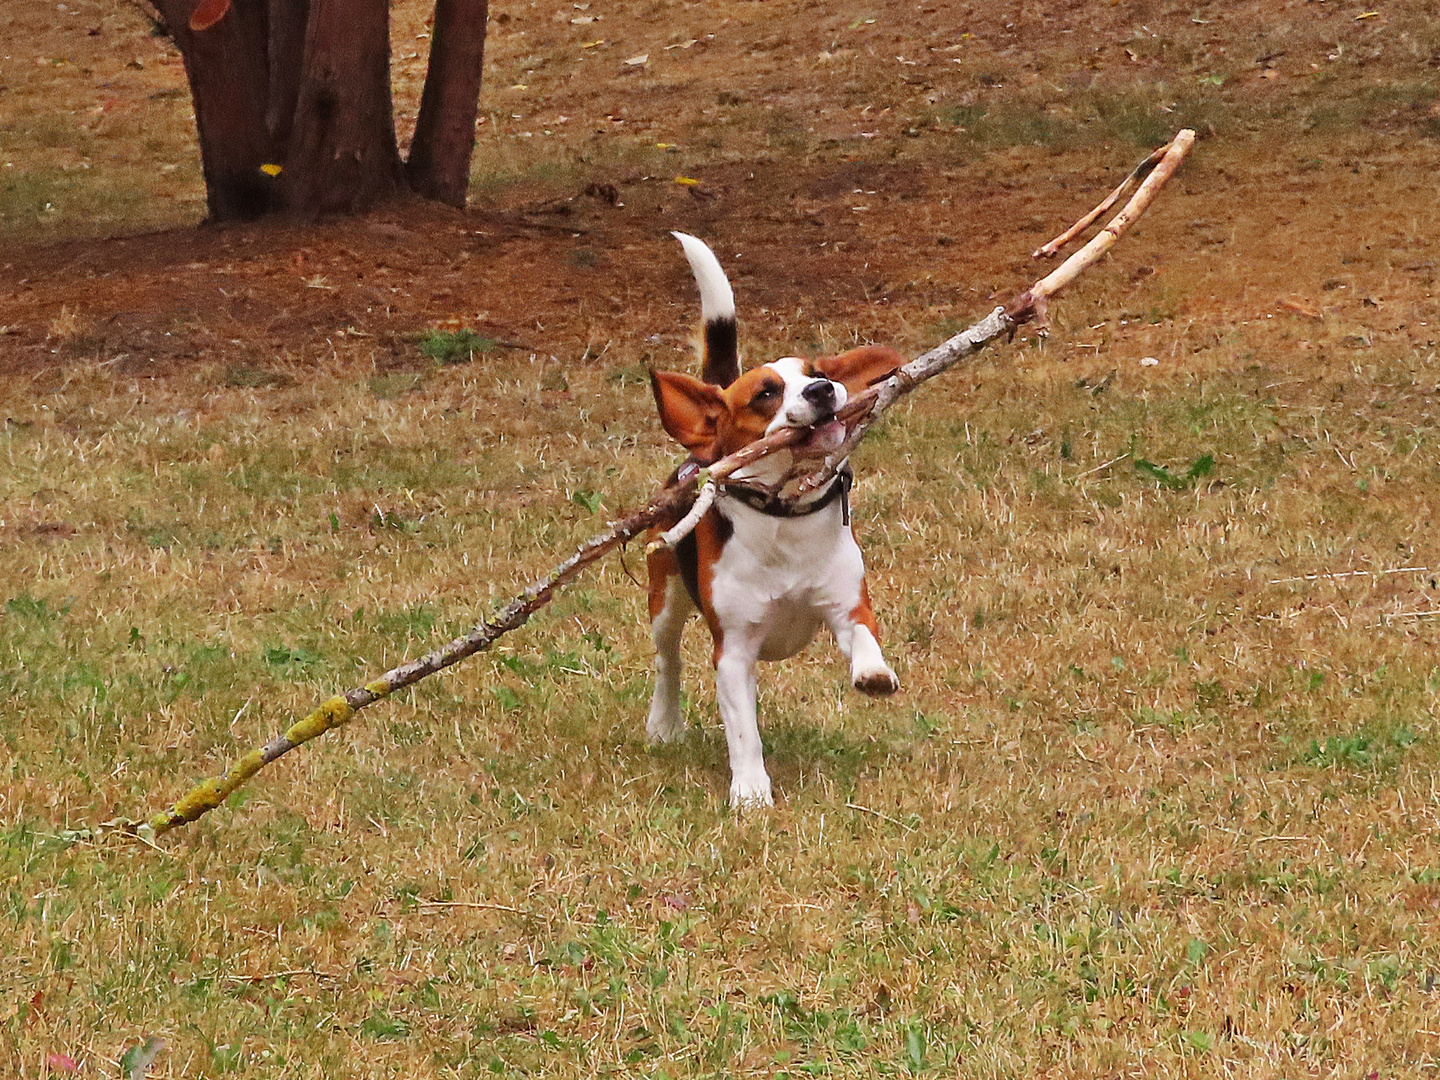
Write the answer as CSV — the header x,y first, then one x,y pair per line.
x,y
778,559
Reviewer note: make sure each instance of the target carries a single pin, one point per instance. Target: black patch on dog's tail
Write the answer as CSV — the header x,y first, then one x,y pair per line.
x,y
721,364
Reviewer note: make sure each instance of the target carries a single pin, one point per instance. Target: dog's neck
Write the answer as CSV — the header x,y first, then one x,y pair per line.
x,y
766,501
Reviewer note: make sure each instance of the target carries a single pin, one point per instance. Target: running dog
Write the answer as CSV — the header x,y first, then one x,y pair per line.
x,y
764,575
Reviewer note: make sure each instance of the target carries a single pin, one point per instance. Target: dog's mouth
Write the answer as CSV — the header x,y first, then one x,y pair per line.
x,y
821,438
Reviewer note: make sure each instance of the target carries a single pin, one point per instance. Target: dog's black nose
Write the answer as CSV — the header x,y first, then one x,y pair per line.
x,y
821,394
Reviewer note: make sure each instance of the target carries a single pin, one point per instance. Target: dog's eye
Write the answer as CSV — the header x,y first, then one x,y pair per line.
x,y
765,393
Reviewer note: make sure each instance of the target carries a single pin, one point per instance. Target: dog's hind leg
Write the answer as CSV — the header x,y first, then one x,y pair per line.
x,y
670,608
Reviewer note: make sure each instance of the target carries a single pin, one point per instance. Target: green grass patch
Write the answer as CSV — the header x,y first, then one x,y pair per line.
x,y
455,346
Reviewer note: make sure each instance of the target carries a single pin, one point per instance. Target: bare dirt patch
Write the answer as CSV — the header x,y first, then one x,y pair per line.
x,y
881,169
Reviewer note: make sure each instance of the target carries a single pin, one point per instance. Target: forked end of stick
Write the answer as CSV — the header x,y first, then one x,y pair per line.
x,y
686,525
1050,250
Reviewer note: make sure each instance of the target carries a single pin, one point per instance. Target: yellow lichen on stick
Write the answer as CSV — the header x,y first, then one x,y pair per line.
x,y
330,714
208,794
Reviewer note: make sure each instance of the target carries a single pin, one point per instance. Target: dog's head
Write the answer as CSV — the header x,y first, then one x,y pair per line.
x,y
712,422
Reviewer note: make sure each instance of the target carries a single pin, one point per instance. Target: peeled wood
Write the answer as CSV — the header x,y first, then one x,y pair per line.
x,y
669,504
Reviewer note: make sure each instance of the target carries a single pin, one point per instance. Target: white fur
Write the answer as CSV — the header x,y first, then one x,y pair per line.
x,y
777,581
717,299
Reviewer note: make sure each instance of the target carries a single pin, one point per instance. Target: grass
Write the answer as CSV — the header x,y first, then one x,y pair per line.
x,y
454,346
1113,819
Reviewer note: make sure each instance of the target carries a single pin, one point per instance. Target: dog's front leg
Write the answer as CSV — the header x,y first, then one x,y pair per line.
x,y
735,691
858,635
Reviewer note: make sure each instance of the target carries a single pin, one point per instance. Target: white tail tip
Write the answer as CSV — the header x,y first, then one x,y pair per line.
x,y
717,299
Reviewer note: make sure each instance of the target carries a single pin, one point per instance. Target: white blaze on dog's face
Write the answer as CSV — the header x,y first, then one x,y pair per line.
x,y
808,398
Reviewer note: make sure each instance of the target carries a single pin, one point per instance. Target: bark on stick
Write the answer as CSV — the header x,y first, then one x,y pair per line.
x,y
671,503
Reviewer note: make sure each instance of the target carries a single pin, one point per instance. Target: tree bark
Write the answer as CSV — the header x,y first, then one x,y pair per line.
x,y
293,109
342,156
286,57
439,163
227,71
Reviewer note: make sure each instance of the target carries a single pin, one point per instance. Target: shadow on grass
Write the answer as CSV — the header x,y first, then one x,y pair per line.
x,y
795,750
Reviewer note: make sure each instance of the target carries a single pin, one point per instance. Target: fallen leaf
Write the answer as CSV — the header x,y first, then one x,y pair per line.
x,y
207,13
61,1063
638,61
688,181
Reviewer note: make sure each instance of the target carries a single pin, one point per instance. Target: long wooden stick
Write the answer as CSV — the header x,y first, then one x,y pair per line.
x,y
667,504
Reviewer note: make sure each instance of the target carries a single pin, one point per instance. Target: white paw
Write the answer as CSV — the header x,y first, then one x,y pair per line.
x,y
664,725
876,681
751,793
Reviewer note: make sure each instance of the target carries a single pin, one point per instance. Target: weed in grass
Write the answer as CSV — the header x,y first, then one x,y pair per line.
x,y
1360,750
251,377
1200,467
454,346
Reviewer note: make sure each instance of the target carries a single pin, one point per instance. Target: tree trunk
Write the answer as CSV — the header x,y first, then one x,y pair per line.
x,y
286,55
293,107
439,163
226,67
342,156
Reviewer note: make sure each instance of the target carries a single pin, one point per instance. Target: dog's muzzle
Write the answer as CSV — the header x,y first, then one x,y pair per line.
x,y
821,395
817,403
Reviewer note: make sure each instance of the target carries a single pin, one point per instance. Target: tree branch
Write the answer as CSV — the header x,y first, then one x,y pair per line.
x,y
671,502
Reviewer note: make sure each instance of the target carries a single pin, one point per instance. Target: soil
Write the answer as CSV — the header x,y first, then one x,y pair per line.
x,y
855,171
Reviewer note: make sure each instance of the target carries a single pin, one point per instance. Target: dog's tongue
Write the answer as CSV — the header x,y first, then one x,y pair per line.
x,y
827,436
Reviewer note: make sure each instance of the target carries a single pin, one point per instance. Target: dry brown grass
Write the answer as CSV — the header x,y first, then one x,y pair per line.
x,y
1158,797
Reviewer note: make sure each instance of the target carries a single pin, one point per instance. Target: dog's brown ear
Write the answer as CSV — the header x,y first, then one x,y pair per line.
x,y
860,367
689,409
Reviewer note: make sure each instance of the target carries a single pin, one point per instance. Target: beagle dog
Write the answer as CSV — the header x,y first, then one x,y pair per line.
x,y
764,575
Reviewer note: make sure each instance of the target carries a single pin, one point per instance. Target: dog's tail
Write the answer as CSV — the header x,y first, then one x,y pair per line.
x,y
720,353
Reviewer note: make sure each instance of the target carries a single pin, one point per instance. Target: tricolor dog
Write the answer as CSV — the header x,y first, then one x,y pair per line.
x,y
763,575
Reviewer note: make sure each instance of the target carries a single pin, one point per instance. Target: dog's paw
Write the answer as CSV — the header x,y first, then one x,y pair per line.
x,y
877,682
664,729
666,722
751,793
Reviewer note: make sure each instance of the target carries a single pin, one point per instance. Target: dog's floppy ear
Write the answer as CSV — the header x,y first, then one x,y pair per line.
x,y
860,367
689,409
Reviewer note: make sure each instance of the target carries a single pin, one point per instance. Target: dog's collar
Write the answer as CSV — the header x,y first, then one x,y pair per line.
x,y
773,506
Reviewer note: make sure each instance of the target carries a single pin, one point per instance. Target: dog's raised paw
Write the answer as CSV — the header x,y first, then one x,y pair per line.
x,y
877,683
